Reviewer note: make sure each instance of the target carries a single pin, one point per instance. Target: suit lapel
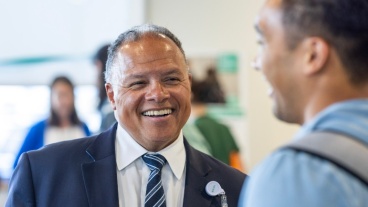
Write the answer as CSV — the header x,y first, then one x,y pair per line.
x,y
99,175
197,172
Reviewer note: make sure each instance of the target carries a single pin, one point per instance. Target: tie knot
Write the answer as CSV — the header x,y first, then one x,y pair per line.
x,y
154,161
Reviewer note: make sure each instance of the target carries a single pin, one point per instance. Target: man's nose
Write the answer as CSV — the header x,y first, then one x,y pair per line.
x,y
157,92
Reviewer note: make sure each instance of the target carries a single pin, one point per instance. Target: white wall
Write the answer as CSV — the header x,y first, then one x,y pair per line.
x,y
70,29
210,27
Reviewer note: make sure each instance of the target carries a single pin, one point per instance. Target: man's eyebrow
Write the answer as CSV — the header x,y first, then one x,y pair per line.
x,y
172,71
137,76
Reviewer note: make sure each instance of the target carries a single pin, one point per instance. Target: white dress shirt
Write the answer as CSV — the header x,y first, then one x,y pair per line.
x,y
133,173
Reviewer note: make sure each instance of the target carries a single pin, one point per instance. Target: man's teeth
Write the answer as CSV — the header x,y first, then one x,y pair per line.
x,y
158,113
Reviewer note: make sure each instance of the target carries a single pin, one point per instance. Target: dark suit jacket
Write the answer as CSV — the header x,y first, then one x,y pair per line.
x,y
83,172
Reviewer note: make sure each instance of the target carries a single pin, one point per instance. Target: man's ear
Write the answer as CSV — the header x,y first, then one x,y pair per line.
x,y
110,95
316,53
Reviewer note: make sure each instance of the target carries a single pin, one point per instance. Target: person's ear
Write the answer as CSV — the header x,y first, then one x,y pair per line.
x,y
190,76
110,95
316,53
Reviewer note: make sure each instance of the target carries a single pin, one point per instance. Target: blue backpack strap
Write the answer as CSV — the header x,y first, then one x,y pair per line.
x,y
346,152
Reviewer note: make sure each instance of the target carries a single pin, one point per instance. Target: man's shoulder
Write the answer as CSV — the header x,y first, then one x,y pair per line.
x,y
205,168
64,148
290,168
289,172
217,167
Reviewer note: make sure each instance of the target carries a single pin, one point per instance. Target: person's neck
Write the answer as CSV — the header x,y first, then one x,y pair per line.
x,y
65,122
337,92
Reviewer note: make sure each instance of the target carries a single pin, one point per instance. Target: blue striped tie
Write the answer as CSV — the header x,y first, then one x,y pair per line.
x,y
155,196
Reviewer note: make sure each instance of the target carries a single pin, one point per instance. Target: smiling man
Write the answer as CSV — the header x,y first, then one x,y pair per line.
x,y
144,159
313,54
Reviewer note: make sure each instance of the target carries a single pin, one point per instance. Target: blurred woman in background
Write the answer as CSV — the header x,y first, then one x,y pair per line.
x,y
63,122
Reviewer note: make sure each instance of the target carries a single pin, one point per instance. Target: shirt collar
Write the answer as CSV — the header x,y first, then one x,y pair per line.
x,y
128,150
346,117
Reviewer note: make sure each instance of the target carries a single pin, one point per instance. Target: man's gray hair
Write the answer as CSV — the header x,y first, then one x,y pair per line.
x,y
132,35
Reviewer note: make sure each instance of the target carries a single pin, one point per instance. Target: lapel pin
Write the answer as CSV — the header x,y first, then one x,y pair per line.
x,y
213,188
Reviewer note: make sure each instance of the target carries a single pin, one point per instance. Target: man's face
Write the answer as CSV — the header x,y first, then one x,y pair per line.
x,y
152,92
278,63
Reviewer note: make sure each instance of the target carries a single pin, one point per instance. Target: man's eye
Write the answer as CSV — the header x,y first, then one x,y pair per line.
x,y
136,84
172,80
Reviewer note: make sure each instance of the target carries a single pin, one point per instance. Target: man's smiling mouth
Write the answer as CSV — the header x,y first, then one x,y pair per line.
x,y
157,113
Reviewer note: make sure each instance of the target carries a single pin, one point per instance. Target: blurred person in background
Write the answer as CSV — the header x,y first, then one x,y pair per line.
x,y
196,138
63,122
218,135
106,112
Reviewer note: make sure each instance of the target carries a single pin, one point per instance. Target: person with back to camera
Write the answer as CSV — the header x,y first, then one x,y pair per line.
x,y
314,56
63,122
107,114
221,141
148,86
